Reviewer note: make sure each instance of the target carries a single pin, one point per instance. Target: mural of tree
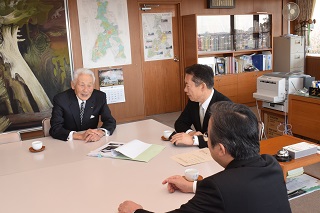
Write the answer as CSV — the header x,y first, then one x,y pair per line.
x,y
34,60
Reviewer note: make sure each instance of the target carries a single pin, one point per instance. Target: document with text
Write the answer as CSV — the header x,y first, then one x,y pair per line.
x,y
194,157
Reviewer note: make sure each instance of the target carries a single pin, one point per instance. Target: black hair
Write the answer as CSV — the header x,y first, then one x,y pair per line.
x,y
236,127
201,73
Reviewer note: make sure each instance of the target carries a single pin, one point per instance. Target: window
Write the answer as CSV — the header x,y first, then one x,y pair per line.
x,y
315,32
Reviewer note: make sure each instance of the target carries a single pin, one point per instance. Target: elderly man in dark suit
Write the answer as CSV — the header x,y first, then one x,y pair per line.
x,y
199,89
250,183
76,111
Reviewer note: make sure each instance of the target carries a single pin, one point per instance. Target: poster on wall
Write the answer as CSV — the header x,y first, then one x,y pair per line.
x,y
34,60
111,82
157,36
104,30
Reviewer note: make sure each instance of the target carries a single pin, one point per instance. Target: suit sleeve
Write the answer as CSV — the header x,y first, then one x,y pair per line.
x,y
57,120
185,121
206,199
108,122
202,142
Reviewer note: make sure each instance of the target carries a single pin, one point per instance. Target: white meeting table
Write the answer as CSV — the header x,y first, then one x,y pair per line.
x,y
62,178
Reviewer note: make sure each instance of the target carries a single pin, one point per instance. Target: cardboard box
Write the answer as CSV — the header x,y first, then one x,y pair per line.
x,y
274,121
300,150
272,133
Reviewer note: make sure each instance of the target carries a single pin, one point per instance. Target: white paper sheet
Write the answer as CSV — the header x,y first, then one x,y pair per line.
x,y
133,148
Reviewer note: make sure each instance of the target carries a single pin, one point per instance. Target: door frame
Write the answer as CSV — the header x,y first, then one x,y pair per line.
x,y
181,47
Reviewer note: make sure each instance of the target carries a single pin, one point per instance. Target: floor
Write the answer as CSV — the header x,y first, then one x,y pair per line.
x,y
169,118
306,203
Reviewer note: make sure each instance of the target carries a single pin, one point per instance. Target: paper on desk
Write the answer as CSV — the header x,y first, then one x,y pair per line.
x,y
194,157
134,150
303,181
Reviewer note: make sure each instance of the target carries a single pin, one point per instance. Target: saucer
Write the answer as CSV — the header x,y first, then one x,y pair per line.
x,y
40,150
199,178
164,139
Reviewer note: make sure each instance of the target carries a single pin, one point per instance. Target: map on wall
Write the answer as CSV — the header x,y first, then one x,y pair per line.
x,y
157,36
104,30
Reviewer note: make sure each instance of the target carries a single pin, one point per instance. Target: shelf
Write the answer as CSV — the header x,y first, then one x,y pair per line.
x,y
231,52
202,32
250,51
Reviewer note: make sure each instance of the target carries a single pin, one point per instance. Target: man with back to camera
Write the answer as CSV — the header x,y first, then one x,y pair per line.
x,y
199,89
76,111
250,183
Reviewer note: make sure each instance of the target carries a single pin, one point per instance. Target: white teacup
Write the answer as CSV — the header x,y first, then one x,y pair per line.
x,y
191,174
167,133
37,145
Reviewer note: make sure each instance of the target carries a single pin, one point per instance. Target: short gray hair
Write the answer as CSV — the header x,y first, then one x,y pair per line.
x,y
85,71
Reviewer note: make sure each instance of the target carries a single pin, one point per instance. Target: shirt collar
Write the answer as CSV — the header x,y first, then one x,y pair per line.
x,y
80,101
207,102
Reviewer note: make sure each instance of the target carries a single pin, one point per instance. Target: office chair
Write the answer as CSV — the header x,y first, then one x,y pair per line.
x,y
46,126
9,137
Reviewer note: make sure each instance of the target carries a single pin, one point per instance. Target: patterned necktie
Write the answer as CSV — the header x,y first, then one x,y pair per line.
x,y
81,111
201,114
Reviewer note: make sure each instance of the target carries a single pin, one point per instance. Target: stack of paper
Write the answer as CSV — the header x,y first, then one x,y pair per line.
x,y
302,149
302,184
134,150
295,172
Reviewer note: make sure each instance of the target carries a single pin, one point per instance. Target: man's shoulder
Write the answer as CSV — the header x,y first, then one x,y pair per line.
x,y
64,94
98,94
218,96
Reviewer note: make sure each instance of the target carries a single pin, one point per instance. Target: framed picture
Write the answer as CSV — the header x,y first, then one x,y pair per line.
x,y
220,68
35,60
221,4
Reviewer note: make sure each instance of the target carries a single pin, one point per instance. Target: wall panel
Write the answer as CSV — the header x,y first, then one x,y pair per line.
x,y
134,108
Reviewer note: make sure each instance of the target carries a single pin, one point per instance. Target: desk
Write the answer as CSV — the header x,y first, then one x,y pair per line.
x,y
304,115
273,145
63,179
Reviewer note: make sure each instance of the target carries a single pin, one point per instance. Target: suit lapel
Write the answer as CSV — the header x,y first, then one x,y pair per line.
x,y
74,108
198,117
207,115
88,110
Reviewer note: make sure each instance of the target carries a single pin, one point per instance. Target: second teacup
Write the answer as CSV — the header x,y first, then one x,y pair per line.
x,y
191,174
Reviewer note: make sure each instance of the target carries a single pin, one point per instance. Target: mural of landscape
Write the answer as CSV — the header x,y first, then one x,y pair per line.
x,y
34,60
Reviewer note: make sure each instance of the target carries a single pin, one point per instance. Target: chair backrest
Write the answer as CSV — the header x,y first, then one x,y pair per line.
x,y
8,137
46,126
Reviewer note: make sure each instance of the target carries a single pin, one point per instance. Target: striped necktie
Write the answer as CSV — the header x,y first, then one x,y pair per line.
x,y
81,111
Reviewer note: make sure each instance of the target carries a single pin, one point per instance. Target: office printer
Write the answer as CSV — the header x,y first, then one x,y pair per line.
x,y
273,88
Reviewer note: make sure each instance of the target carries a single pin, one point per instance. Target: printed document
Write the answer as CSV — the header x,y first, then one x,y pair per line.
x,y
134,150
192,158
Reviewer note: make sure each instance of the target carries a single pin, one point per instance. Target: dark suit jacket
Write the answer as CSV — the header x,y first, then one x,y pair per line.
x,y
248,186
66,114
190,116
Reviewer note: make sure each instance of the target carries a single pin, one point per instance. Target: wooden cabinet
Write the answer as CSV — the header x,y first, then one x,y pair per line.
x,y
304,116
221,41
227,85
247,85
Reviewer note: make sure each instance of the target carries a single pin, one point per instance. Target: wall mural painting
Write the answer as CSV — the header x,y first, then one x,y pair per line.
x,y
34,60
